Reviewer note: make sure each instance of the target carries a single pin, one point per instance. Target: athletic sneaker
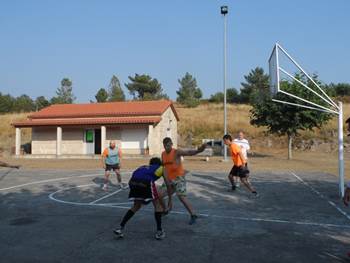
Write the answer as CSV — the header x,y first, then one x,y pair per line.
x,y
193,219
160,234
166,212
238,185
122,186
255,194
105,187
118,233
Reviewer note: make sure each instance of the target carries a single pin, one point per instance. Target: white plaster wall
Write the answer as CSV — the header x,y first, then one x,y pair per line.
x,y
115,134
134,140
72,141
44,140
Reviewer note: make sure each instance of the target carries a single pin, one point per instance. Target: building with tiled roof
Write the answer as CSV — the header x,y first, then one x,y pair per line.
x,y
138,127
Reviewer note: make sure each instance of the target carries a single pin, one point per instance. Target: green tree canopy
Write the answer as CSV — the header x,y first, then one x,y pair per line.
x,y
282,119
232,96
116,92
101,95
6,103
256,81
340,89
64,93
41,102
144,87
218,97
189,93
23,103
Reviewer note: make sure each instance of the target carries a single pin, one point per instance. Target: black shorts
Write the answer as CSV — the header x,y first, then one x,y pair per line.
x,y
240,171
110,167
141,190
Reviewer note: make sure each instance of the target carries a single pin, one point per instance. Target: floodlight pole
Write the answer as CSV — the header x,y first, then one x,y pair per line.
x,y
341,150
224,11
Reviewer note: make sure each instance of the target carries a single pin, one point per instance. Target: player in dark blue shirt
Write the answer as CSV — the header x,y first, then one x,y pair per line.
x,y
143,191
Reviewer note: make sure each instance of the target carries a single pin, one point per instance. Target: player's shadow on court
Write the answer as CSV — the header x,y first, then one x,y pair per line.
x,y
208,177
100,181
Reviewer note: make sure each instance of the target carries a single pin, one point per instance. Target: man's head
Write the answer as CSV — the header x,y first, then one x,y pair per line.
x,y
168,144
240,135
155,161
112,144
227,139
348,122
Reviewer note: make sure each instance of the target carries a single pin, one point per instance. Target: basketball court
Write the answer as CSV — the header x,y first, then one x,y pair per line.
x,y
60,216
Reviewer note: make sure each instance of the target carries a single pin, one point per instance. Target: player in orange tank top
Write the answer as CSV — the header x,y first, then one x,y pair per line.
x,y
173,168
171,159
239,168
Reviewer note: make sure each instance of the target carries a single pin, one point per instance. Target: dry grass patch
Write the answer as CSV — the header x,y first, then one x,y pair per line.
x,y
207,121
7,131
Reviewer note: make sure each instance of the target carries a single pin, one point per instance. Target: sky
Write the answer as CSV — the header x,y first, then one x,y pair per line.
x,y
88,41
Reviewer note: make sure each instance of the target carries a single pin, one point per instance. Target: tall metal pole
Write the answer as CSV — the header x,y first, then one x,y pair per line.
x,y
224,11
341,150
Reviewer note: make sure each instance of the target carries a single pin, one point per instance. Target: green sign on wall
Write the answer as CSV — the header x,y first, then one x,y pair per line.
x,y
89,136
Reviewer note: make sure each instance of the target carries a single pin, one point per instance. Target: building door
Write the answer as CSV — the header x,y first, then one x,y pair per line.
x,y
98,141
89,141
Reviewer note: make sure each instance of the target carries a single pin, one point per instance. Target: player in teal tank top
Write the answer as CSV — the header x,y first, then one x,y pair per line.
x,y
111,162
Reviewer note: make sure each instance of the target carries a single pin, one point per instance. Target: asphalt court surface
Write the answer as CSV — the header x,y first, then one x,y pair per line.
x,y
60,216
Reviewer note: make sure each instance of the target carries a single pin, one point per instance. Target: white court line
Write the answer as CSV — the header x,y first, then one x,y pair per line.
x,y
106,196
224,178
118,205
249,219
322,196
68,202
52,180
49,180
333,256
112,204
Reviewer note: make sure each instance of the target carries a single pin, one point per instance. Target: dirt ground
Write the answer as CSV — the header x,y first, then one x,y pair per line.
x,y
259,162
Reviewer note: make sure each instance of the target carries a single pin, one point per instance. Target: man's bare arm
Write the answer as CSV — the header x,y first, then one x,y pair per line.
x,y
346,198
3,164
180,152
169,191
242,157
103,162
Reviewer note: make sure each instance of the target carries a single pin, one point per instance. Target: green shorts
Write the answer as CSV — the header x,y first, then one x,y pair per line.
x,y
179,185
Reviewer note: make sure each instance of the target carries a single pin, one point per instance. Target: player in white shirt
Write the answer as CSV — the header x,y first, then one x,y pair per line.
x,y
244,144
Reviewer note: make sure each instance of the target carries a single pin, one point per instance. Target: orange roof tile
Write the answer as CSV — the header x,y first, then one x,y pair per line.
x,y
87,121
111,109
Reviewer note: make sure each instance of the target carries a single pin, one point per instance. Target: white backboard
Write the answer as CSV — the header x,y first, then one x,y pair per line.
x,y
274,72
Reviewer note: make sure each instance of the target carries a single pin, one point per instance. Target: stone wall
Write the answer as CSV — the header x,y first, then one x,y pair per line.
x,y
167,127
